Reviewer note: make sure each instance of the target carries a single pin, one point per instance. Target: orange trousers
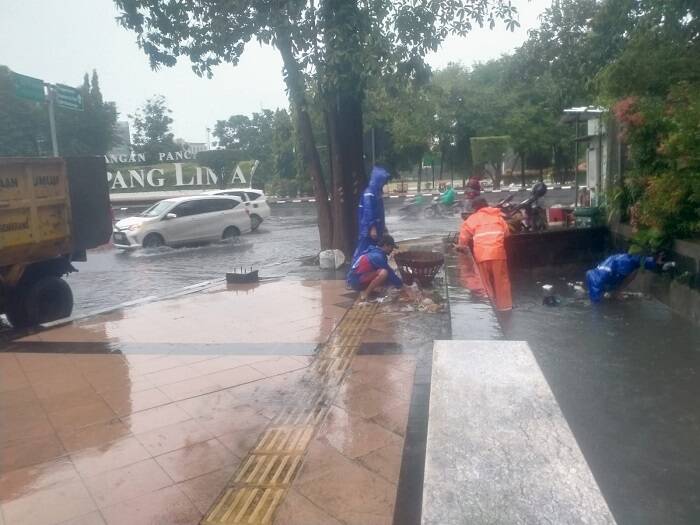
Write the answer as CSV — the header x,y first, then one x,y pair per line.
x,y
495,276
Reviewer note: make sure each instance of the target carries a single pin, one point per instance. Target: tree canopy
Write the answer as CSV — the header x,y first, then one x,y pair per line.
x,y
151,128
330,46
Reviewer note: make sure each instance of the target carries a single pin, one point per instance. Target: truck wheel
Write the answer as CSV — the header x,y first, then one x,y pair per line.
x,y
48,299
16,312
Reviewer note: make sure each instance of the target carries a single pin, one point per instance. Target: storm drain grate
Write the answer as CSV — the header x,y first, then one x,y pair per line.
x,y
258,487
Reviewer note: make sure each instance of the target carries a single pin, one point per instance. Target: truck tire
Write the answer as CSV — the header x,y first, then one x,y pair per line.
x,y
15,311
48,299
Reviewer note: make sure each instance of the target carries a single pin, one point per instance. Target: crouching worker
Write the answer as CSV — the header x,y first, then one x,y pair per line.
x,y
487,229
371,271
617,271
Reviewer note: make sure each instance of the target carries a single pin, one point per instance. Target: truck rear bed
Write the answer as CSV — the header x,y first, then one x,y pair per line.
x,y
35,214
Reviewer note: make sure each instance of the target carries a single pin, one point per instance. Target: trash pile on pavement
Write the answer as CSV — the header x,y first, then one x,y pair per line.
x,y
414,299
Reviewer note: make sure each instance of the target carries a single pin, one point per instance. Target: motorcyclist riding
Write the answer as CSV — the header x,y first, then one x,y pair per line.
x,y
447,199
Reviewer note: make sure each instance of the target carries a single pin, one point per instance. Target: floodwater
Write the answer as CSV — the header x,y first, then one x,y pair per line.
x,y
626,376
278,248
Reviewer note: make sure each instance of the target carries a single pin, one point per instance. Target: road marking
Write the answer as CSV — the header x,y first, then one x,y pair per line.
x,y
256,490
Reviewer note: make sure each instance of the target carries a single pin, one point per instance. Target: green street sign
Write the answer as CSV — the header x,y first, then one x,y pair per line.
x,y
28,87
68,97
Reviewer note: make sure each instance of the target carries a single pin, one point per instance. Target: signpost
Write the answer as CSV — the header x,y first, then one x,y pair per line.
x,y
68,97
28,87
60,95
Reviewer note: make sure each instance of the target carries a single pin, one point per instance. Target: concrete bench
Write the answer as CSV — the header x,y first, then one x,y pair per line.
x,y
499,450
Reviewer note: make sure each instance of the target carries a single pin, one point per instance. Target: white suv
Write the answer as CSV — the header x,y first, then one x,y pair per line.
x,y
183,220
254,201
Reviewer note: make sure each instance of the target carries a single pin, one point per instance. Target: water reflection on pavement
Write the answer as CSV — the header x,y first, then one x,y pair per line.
x,y
111,277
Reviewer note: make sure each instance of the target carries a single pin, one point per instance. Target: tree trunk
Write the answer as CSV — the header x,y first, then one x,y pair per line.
x,y
498,175
420,174
442,163
344,127
522,169
343,91
307,142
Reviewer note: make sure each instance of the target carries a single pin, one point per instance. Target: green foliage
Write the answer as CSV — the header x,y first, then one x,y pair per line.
x,y
91,131
267,137
221,161
649,240
151,128
24,125
663,186
670,204
489,150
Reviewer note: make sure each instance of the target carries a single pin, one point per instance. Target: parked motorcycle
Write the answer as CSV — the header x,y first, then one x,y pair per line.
x,y
528,216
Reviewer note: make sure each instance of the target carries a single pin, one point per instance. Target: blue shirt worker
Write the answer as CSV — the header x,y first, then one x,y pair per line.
x,y
370,212
371,271
614,273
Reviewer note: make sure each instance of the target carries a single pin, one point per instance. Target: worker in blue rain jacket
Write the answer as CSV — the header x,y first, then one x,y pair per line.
x,y
617,271
371,271
370,212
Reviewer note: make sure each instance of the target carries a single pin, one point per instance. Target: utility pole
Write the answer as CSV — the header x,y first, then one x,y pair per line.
x,y
52,119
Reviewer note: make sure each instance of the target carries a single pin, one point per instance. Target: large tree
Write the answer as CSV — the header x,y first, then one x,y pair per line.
x,y
23,124
151,124
267,137
332,46
90,131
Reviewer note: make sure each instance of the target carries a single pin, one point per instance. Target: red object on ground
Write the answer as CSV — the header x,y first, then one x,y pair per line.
x,y
557,214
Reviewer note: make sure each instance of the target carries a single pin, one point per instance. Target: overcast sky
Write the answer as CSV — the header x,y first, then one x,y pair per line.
x,y
59,40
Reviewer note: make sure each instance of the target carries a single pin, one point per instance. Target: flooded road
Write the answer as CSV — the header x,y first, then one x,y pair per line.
x,y
625,374
111,277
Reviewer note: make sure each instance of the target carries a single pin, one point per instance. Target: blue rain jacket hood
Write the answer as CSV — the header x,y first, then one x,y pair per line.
x,y
609,274
370,211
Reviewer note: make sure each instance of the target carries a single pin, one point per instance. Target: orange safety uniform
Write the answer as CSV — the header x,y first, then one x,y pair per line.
x,y
487,228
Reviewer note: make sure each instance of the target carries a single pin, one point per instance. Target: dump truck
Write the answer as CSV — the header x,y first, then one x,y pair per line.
x,y
52,210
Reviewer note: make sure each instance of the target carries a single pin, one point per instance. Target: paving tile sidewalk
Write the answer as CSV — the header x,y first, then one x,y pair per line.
x,y
141,416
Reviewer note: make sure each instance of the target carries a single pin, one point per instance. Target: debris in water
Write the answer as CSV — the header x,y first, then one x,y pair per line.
x,y
413,299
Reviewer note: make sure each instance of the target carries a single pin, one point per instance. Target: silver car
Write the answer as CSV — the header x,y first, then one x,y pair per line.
x,y
183,220
254,201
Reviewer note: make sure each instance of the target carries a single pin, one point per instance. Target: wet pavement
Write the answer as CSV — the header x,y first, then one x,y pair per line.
x,y
146,414
288,403
625,375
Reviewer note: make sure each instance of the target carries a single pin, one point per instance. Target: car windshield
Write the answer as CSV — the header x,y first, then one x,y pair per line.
x,y
157,209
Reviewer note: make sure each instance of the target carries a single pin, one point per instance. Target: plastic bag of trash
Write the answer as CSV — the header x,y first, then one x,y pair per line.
x,y
331,259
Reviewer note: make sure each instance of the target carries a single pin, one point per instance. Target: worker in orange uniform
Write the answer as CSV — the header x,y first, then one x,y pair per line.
x,y
488,230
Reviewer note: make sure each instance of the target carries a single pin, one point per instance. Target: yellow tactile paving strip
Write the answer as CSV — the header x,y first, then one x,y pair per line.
x,y
254,493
